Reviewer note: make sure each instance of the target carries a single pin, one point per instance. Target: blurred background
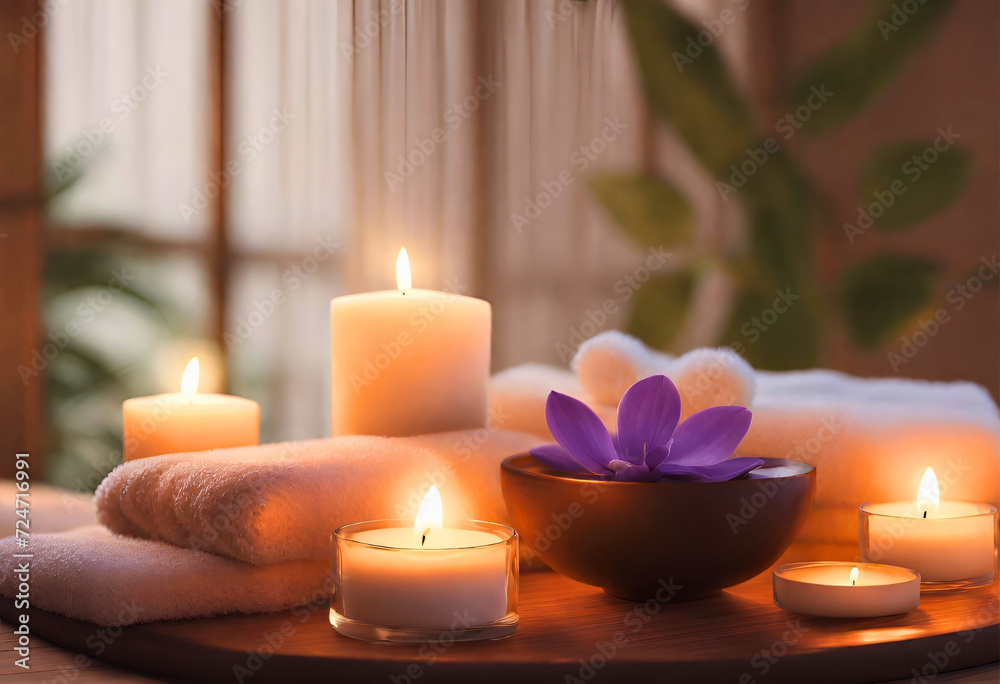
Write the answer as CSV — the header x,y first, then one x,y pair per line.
x,y
812,182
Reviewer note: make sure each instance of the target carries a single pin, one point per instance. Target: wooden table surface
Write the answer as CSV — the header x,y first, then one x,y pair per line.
x,y
740,636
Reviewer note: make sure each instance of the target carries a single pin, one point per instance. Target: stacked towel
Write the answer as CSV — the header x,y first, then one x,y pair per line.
x,y
276,503
255,521
90,574
870,439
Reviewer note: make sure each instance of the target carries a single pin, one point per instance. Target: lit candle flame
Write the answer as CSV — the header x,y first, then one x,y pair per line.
x,y
189,381
430,515
403,279
854,575
928,495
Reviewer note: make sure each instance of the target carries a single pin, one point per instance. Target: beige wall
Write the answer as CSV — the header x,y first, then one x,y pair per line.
x,y
567,66
951,83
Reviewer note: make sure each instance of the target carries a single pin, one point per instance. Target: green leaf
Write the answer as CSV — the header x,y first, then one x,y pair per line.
x,y
660,307
774,330
908,186
863,66
651,211
687,85
778,216
882,295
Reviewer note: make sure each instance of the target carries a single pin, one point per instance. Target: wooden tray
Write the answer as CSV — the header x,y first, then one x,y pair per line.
x,y
569,629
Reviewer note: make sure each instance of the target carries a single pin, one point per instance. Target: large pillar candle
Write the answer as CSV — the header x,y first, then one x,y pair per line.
x,y
188,421
408,361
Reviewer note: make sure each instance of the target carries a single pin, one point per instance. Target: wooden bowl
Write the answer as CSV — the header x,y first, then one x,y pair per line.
x,y
657,540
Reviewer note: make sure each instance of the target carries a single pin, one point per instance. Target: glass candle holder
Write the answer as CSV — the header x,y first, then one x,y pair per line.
x,y
954,546
460,584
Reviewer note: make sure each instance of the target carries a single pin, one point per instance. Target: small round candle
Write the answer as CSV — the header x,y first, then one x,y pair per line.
x,y
854,590
945,541
187,421
414,582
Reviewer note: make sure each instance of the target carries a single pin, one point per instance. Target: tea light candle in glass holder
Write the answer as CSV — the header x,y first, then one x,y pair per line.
x,y
950,543
421,581
848,590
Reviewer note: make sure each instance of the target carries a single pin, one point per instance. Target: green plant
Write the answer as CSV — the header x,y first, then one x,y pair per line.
x,y
86,378
876,297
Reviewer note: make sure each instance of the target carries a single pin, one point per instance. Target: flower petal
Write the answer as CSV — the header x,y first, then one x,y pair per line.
x,y
658,455
709,436
554,456
580,432
634,473
730,469
647,416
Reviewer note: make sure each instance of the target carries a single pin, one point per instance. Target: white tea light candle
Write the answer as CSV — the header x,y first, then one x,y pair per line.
x,y
415,582
850,590
188,421
945,541
408,361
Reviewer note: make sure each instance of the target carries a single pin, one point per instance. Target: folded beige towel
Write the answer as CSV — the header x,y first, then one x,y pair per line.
x,y
90,574
279,502
52,509
872,439
518,396
611,362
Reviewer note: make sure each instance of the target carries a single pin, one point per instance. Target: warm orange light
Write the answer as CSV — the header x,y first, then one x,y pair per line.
x,y
403,279
430,515
854,575
189,381
928,495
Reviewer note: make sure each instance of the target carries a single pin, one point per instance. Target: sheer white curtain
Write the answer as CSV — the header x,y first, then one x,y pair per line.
x,y
502,204
465,130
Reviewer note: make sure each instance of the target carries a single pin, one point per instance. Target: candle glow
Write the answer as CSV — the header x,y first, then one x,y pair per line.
x,y
854,575
189,381
430,515
404,281
928,494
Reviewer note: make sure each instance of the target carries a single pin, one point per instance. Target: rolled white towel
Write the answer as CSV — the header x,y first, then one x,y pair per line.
x,y
89,574
518,396
609,363
279,502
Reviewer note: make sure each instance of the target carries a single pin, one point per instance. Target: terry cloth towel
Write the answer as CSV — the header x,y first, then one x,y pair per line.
x,y
611,362
280,502
518,396
872,439
52,509
89,574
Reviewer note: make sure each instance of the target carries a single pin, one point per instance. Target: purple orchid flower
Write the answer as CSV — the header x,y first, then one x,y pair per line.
x,y
649,445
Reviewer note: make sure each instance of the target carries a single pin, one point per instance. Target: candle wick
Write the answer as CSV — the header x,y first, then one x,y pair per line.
x,y
854,583
925,514
423,537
